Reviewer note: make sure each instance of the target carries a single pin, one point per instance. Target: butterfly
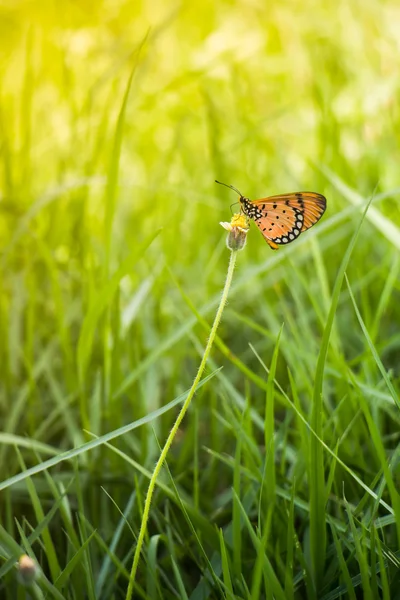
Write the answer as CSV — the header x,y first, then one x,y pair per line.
x,y
281,219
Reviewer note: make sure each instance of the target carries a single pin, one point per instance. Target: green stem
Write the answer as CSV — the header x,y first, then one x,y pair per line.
x,y
178,421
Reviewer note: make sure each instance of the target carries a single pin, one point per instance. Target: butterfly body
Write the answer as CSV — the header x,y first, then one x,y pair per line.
x,y
281,219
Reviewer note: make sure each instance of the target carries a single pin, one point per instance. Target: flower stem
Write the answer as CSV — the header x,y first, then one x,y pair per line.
x,y
178,421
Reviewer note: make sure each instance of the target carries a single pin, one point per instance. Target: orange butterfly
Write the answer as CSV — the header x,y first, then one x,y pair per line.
x,y
281,219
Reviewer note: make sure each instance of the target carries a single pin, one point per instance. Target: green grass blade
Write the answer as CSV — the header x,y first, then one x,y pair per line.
x,y
343,565
225,566
62,579
290,545
68,455
102,301
374,353
268,570
179,581
316,464
361,557
269,430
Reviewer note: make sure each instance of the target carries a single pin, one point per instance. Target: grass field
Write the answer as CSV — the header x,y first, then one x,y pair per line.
x,y
283,480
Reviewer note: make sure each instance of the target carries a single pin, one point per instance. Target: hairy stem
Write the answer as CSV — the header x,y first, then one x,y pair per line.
x,y
170,439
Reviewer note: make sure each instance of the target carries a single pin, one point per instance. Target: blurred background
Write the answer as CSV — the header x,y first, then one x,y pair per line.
x,y
115,119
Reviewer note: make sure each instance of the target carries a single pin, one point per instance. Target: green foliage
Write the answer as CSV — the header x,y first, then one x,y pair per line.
x,y
115,120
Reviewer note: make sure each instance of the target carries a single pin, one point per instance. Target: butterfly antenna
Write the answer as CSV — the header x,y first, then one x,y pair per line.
x,y
231,187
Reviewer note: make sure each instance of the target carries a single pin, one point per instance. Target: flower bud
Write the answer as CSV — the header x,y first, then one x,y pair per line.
x,y
238,228
28,569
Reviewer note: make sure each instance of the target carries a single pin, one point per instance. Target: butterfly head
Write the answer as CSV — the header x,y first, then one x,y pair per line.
x,y
248,208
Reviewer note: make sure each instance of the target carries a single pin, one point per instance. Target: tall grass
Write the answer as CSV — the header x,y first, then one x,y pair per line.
x,y
115,119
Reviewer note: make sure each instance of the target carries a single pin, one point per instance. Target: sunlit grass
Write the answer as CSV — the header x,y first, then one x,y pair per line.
x,y
283,480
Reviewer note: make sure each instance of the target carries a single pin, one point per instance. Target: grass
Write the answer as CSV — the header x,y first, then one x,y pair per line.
x,y
283,479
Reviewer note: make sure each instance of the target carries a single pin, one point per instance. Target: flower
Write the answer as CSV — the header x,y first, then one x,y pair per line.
x,y
238,228
28,569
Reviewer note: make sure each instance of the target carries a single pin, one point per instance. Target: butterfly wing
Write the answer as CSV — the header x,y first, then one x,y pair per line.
x,y
284,217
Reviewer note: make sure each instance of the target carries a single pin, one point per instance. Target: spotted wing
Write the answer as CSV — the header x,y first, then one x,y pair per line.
x,y
284,217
